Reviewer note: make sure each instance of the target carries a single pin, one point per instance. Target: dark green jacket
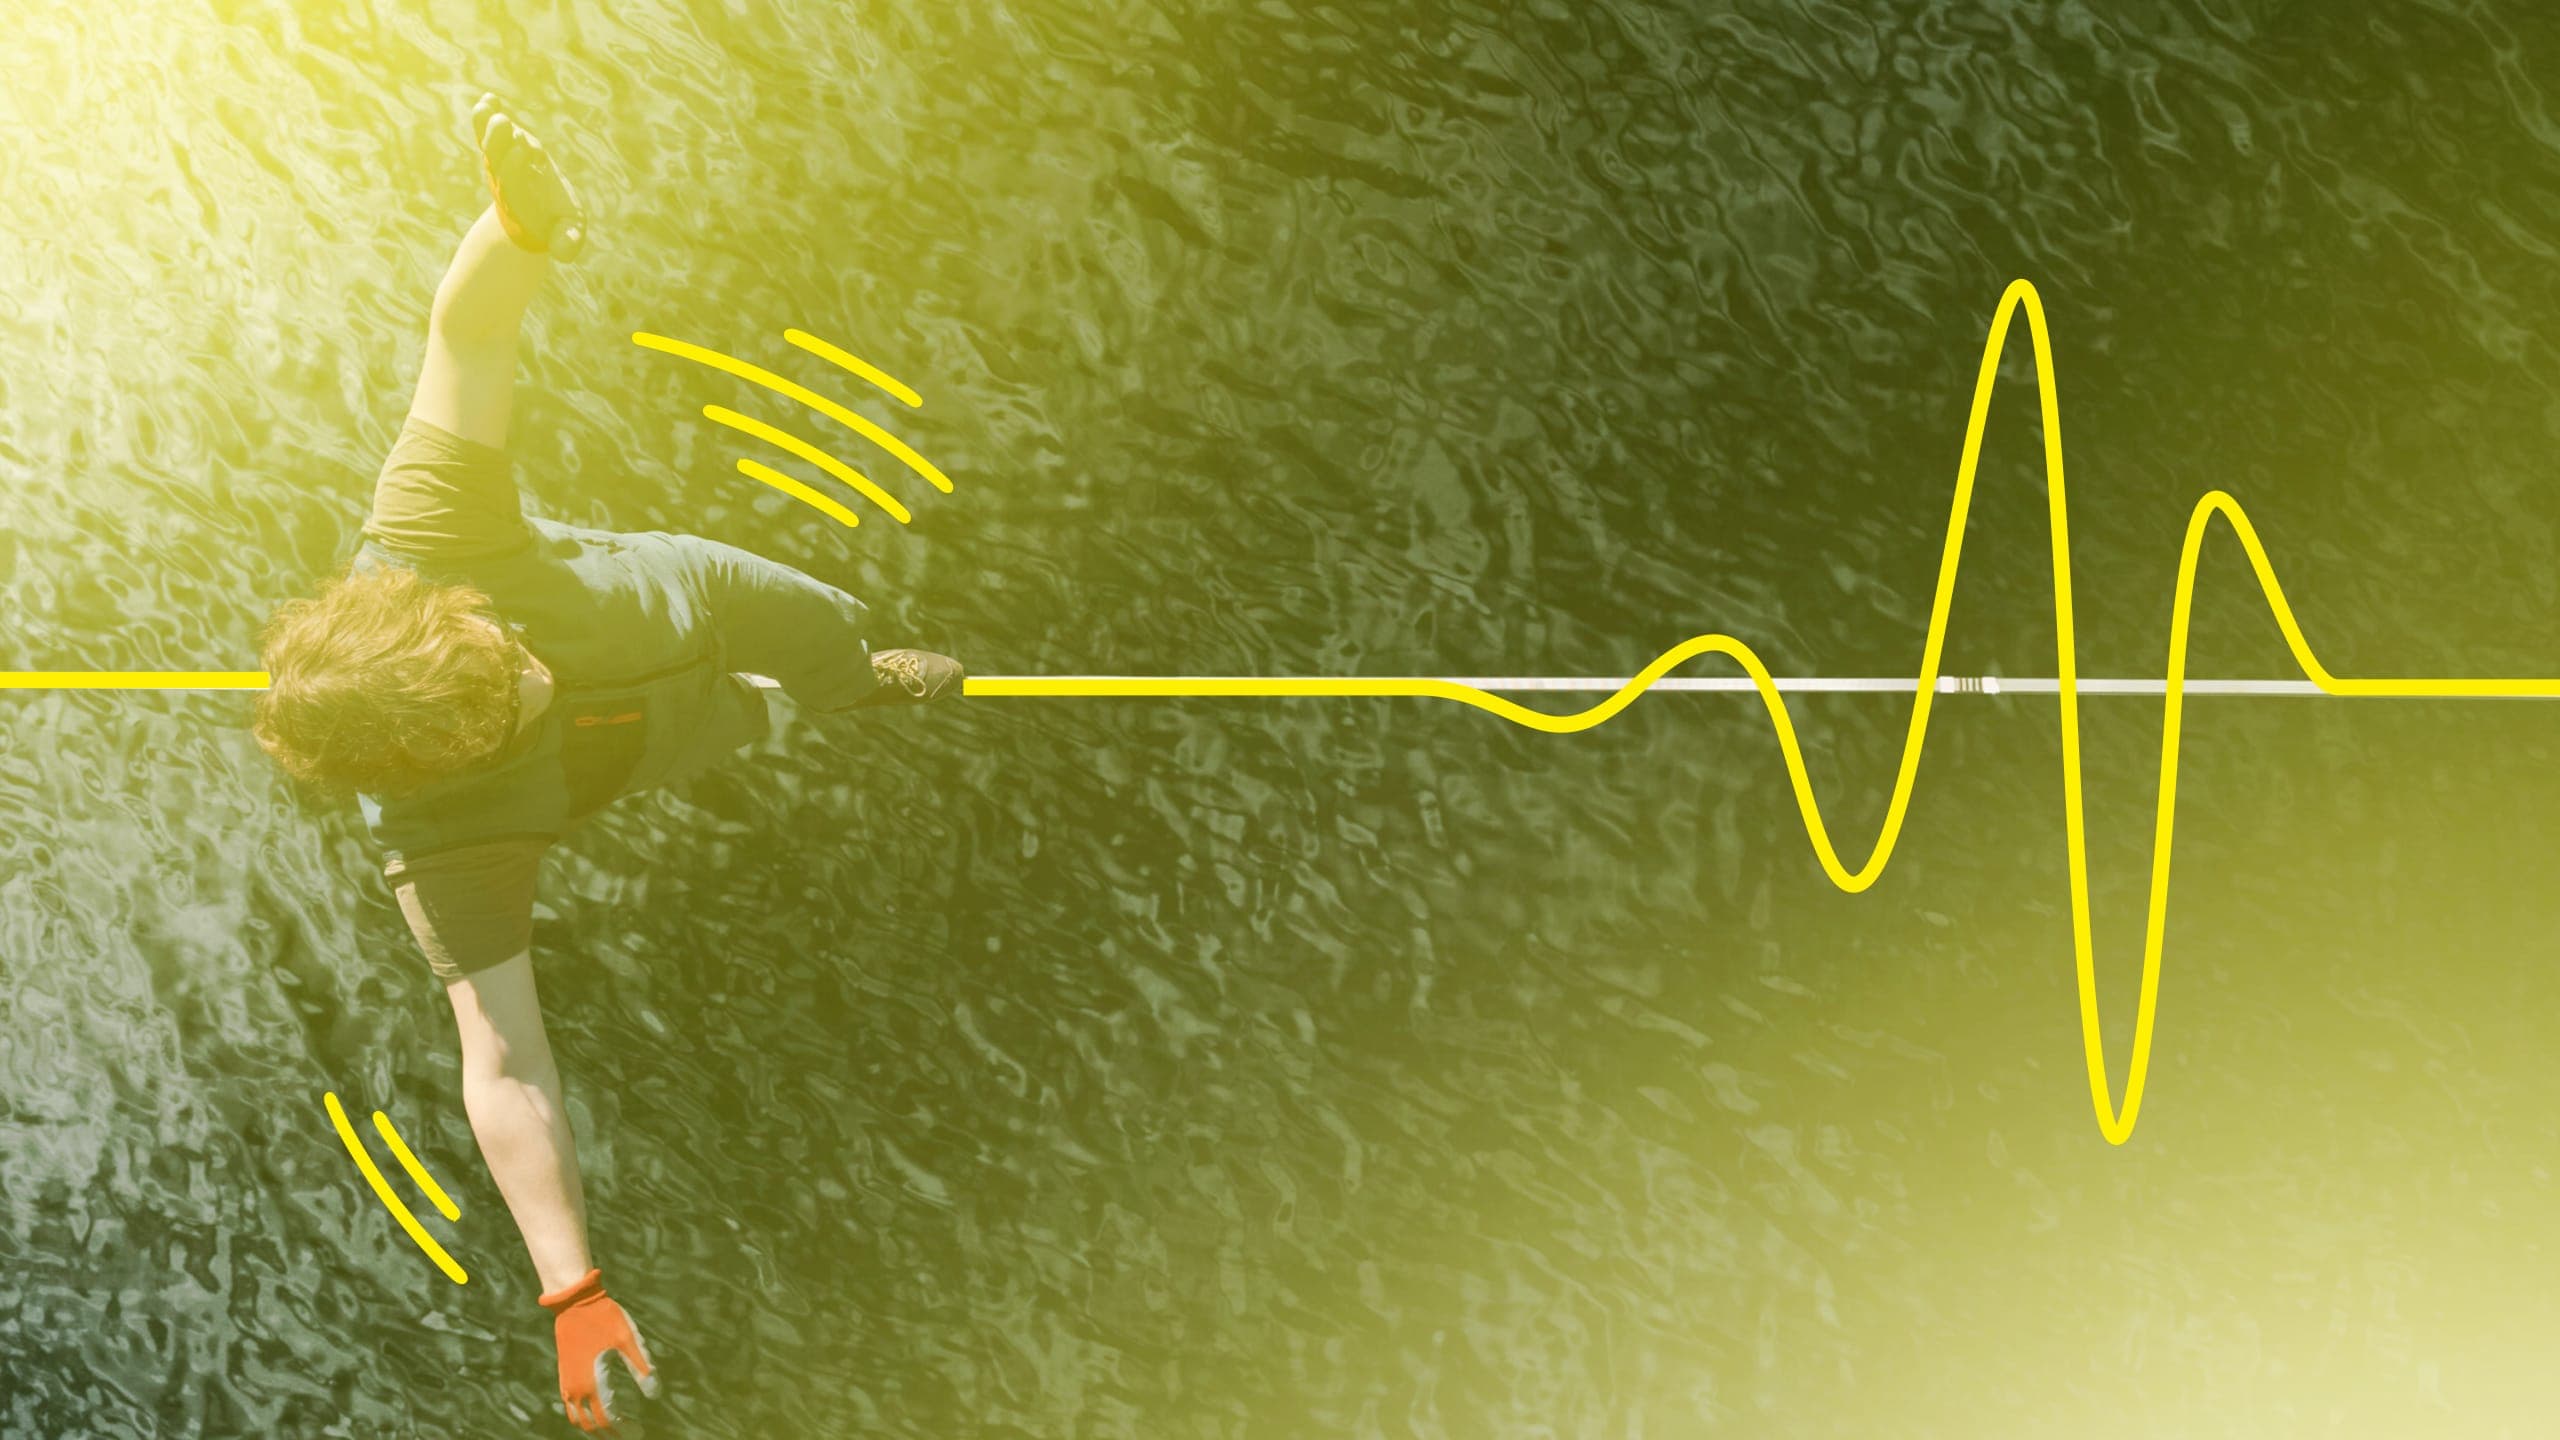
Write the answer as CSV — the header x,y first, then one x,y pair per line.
x,y
644,693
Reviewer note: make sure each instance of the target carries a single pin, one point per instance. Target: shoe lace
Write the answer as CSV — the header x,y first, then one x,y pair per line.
x,y
902,668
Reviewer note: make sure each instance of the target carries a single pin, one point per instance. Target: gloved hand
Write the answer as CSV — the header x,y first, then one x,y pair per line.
x,y
534,200
589,1328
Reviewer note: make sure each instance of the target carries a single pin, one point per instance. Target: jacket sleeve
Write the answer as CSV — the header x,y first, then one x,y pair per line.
x,y
470,907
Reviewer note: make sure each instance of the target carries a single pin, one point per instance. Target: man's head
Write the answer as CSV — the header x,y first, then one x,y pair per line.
x,y
383,682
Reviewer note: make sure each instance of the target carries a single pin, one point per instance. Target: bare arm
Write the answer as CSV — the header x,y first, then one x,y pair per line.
x,y
512,1090
467,383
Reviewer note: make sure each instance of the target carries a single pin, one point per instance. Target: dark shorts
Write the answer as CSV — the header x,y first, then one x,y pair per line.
x,y
759,617
772,620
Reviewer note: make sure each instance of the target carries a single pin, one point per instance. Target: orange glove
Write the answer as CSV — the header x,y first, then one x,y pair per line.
x,y
590,1327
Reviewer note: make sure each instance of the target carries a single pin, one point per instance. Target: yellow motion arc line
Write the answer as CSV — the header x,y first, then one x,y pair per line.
x,y
758,470
855,363
758,375
784,439
2116,1125
391,1202
417,1172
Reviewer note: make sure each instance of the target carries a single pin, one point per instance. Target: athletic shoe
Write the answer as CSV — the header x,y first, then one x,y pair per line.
x,y
535,204
911,677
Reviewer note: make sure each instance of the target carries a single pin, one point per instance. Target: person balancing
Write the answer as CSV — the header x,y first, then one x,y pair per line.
x,y
481,680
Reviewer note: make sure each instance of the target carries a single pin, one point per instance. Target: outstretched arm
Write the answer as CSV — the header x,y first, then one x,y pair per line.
x,y
511,1088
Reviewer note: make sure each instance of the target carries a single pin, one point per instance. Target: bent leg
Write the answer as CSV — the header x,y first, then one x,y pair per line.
x,y
773,620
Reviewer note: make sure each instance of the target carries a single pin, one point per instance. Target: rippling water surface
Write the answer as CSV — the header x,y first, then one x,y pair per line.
x,y
1364,1067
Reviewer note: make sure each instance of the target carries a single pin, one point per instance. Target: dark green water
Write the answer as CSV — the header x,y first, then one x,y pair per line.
x,y
1363,1067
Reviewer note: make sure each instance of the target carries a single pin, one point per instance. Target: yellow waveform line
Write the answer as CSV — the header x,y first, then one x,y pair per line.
x,y
758,470
417,1172
391,1202
774,435
133,679
2116,1125
758,375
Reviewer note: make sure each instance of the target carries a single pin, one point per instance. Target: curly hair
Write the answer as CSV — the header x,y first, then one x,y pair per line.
x,y
384,681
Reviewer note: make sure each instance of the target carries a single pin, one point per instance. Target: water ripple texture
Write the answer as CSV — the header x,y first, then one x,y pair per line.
x,y
1160,1070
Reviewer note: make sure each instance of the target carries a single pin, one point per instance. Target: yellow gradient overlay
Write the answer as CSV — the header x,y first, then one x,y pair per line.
x,y
2116,1125
391,1202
